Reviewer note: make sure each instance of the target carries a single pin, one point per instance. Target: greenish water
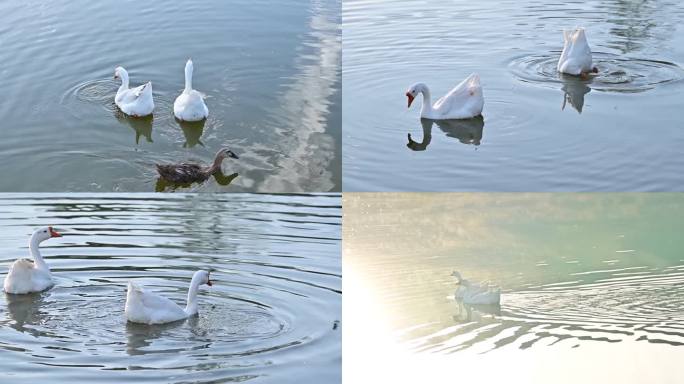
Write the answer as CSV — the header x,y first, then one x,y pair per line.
x,y
588,280
620,131
272,314
271,72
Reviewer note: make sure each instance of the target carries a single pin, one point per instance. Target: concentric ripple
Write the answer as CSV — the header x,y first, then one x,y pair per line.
x,y
275,300
616,73
644,307
101,92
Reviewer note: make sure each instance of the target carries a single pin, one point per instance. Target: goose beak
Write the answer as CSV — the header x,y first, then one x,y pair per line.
x,y
410,99
208,280
54,233
231,154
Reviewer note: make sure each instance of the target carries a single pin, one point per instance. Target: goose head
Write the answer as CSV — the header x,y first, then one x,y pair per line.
x,y
413,91
120,72
203,277
44,233
457,276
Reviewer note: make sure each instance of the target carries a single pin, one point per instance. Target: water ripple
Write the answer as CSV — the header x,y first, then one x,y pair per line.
x,y
275,300
616,73
647,307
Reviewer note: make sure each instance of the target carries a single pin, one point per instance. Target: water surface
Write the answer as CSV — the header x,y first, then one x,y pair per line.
x,y
592,287
270,72
271,316
619,131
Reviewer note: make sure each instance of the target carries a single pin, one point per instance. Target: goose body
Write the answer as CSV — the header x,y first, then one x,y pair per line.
x,y
136,102
27,276
189,105
478,294
576,56
183,173
147,307
465,101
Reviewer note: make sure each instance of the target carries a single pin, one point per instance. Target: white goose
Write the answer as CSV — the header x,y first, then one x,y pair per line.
x,y
26,276
470,293
189,105
135,102
465,101
149,308
576,56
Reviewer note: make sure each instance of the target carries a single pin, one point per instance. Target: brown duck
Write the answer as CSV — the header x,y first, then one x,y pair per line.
x,y
189,172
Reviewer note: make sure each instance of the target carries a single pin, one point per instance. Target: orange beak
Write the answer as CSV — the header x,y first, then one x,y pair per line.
x,y
53,233
410,99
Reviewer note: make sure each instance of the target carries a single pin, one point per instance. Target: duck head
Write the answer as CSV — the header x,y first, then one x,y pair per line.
x,y
225,152
44,233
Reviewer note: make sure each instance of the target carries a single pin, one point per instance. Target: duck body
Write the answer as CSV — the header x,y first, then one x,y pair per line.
x,y
184,173
136,102
28,276
189,105
147,307
464,101
476,294
576,57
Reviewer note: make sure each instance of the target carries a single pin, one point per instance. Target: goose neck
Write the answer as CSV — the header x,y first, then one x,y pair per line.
x,y
34,246
426,109
188,79
191,306
124,79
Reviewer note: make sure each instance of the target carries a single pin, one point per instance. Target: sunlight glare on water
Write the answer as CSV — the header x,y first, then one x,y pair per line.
x,y
590,281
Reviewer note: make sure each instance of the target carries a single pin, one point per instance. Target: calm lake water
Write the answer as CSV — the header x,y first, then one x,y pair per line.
x,y
271,71
592,288
620,131
272,316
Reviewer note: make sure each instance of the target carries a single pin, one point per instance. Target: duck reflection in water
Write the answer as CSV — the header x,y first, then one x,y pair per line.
x,y
467,131
193,132
142,126
574,89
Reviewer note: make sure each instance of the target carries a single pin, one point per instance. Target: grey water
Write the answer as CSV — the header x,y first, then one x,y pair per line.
x,y
272,314
270,70
618,131
588,281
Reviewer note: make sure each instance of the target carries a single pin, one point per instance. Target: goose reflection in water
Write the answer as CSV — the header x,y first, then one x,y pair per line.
x,y
193,132
467,131
141,125
25,312
574,90
468,313
141,336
